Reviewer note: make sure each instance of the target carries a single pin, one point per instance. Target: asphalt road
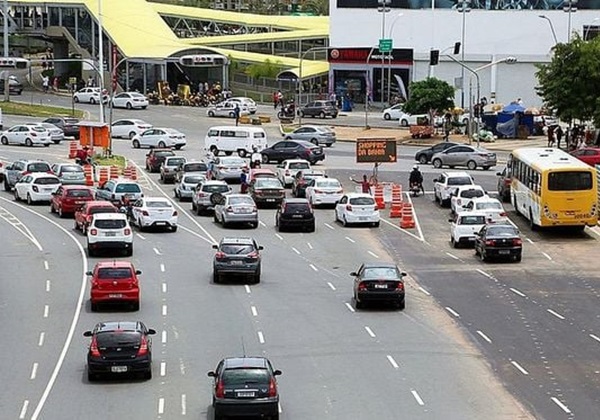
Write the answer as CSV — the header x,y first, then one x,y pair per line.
x,y
470,332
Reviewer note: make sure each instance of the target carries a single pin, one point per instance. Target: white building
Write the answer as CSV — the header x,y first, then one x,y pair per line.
x,y
510,28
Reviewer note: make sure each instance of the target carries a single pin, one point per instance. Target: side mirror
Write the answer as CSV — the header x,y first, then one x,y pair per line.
x,y
137,272
151,331
277,372
403,274
354,274
260,248
451,220
215,247
88,273
212,374
498,173
87,334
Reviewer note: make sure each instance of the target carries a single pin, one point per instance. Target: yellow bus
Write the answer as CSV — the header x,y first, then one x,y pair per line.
x,y
552,188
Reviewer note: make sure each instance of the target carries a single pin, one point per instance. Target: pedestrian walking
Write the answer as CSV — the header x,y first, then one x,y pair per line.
x,y
550,134
447,126
558,133
90,81
45,83
236,111
55,84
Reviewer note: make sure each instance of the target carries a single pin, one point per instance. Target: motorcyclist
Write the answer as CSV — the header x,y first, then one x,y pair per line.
x,y
416,179
255,158
82,157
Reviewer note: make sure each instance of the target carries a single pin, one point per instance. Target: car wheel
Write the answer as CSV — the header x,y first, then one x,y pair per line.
x,y
211,114
376,224
403,123
453,242
471,165
148,374
94,307
29,200
4,141
401,304
437,163
518,258
314,141
254,225
135,306
265,159
422,159
28,143
61,214
136,145
91,376
214,150
76,99
128,105
301,113
173,229
322,115
232,115
358,304
132,135
216,277
532,224
242,153
161,144
91,252
129,252
92,101
256,278
387,116
485,168
311,227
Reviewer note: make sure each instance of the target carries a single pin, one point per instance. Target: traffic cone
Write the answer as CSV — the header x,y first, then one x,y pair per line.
x,y
378,196
133,173
114,172
407,221
89,176
72,149
103,175
127,172
396,205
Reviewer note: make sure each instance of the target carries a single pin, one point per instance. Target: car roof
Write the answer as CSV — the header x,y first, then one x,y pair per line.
x,y
469,187
245,362
296,200
114,264
237,240
357,195
235,127
113,216
109,326
214,182
99,203
77,187
486,198
157,198
297,160
42,175
229,196
379,265
456,174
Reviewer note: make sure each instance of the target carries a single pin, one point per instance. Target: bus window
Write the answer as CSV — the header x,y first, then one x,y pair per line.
x,y
569,181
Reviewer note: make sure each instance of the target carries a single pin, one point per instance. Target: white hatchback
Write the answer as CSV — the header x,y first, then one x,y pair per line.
x,y
462,196
130,100
491,207
464,226
159,137
109,231
128,128
36,187
357,208
27,135
324,191
149,212
90,95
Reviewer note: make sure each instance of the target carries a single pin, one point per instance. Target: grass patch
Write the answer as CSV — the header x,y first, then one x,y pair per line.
x,y
18,108
114,160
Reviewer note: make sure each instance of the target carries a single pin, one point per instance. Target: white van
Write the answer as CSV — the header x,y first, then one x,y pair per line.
x,y
231,139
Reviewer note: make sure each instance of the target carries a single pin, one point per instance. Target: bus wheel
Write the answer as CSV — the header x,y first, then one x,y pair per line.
x,y
532,224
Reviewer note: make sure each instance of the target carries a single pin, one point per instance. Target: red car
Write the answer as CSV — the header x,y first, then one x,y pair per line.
x,y
114,282
83,215
69,198
589,155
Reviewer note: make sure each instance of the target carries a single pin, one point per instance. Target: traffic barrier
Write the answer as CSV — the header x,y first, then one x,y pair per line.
x,y
89,175
73,149
103,175
396,203
408,220
127,172
379,198
114,172
133,172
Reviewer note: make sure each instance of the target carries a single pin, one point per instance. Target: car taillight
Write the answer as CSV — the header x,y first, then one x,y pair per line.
x,y
400,286
490,242
319,192
174,212
253,255
93,232
145,213
95,285
127,231
25,173
220,255
348,207
35,188
220,390
143,350
94,348
362,286
229,209
272,388
517,241
503,214
287,172
201,194
33,134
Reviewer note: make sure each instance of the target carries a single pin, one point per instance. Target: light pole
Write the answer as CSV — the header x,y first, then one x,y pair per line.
x,y
570,6
313,49
587,30
100,58
551,27
464,8
389,58
5,35
383,8
367,87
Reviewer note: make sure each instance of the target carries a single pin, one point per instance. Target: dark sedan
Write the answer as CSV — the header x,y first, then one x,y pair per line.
x,y
266,191
295,213
378,282
319,109
70,126
292,149
498,241
237,256
423,156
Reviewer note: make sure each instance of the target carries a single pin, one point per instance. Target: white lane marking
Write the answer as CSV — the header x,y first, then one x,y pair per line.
x,y
161,406
329,226
156,251
519,367
480,271
163,368
370,332
424,291
23,412
46,266
547,256
313,267
309,245
595,337
46,311
261,223
279,408
47,285
164,310
556,314
261,337
41,339
163,337
295,250
350,308
414,213
561,405
196,234
34,371
452,256
279,236
142,237
254,311
247,289
485,337
529,240
518,292
417,397
183,404
164,287
402,230
331,285
452,311
350,239
392,362
374,255
162,268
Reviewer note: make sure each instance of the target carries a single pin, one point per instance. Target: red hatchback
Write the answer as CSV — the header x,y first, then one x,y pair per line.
x,y
83,215
589,155
69,198
114,282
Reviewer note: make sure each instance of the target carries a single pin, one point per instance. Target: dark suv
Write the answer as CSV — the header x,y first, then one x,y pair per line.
x,y
292,149
119,348
295,212
16,170
319,109
237,256
156,157
245,386
70,126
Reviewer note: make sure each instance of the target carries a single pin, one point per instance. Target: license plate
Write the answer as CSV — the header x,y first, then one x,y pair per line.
x,y
270,200
236,262
47,189
381,286
504,252
79,202
245,394
110,234
297,216
115,296
118,369
362,218
160,223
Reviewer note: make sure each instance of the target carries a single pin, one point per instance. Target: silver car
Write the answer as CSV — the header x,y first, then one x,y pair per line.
x,y
201,198
236,208
184,189
316,134
69,173
464,155
229,168
56,134
168,169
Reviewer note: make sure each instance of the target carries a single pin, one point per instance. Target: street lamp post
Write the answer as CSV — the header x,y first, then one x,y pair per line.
x,y
313,49
100,58
383,8
551,27
5,35
367,87
464,9
391,32
570,6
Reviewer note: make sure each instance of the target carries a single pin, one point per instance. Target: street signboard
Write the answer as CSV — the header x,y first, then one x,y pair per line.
x,y
385,45
375,150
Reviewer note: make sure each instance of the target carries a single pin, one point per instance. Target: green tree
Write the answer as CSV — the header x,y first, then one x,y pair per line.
x,y
429,96
266,69
569,83
317,7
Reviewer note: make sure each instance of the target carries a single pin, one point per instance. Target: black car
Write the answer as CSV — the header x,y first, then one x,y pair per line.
x,y
295,213
156,157
319,109
119,348
266,191
292,149
500,241
378,282
69,125
237,256
504,182
14,86
301,180
245,386
424,156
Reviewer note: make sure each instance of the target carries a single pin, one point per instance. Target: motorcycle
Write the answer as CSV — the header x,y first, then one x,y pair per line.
x,y
416,188
288,111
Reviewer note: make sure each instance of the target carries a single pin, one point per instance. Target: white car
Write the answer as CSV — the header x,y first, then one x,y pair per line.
x,y
462,196
247,102
27,135
408,119
56,134
128,128
130,100
36,187
90,95
184,189
464,226
491,207
150,212
324,191
393,113
159,137
226,109
357,208
109,231
446,183
287,170
201,198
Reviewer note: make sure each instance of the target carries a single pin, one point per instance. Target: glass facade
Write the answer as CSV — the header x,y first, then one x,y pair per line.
x,y
474,4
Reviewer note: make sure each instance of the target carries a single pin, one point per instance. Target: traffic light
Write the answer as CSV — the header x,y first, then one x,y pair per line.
x,y
434,57
456,48
203,60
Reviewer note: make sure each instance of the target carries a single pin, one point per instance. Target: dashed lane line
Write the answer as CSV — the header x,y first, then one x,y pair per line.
x,y
161,406
329,226
595,337
370,332
350,239
452,311
278,236
417,397
183,404
295,250
313,267
485,337
164,310
164,287
547,256
331,286
47,285
350,308
41,339
518,292
480,271
254,311
452,256
163,368
46,266
562,406
374,255
23,412
261,337
309,245
392,362
424,291
156,251
248,290
46,311
519,367
556,314
34,369
162,268
163,338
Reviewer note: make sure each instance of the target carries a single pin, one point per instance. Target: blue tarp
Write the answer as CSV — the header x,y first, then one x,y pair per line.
x,y
504,125
512,108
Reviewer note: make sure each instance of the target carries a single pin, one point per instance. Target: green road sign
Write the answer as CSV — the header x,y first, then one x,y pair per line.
x,y
385,45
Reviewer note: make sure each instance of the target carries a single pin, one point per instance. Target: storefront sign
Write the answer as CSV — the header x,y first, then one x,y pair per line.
x,y
360,55
375,150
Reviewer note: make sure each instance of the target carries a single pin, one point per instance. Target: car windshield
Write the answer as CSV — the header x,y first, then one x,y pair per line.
x,y
71,121
128,188
195,167
570,181
502,230
380,273
488,205
215,188
71,168
110,223
244,376
38,167
299,165
462,180
38,129
117,338
96,210
328,183
472,220
362,201
196,179
79,193
164,153
47,181
237,249
240,200
158,204
296,207
471,193
114,273
268,183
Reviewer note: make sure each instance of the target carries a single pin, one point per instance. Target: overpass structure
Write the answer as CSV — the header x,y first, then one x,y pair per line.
x,y
150,37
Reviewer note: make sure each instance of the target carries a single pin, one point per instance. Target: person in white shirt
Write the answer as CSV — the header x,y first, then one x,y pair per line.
x,y
255,158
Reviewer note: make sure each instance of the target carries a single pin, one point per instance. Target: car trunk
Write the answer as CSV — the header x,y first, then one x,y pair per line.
x,y
118,345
